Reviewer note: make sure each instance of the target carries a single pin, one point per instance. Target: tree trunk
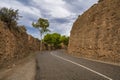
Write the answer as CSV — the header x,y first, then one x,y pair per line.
x,y
41,43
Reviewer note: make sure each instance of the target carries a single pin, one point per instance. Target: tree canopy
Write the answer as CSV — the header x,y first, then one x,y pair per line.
x,y
52,39
64,40
42,25
56,39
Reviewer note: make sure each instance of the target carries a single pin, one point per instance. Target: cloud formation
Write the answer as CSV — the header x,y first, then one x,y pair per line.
x,y
60,13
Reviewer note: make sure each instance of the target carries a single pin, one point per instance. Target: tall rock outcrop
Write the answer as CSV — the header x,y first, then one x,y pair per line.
x,y
15,44
96,33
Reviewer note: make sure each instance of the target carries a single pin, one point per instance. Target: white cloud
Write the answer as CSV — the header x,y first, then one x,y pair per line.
x,y
50,2
59,12
56,8
54,2
50,9
28,13
63,29
22,8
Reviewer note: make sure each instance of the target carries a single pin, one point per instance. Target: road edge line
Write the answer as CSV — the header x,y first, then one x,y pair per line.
x,y
82,66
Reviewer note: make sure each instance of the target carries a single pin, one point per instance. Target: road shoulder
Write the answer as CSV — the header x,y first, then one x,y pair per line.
x,y
92,59
23,70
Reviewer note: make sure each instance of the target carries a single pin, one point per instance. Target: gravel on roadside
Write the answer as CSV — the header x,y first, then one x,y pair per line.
x,y
25,69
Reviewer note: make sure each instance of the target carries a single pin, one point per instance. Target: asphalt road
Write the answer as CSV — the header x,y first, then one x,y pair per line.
x,y
56,65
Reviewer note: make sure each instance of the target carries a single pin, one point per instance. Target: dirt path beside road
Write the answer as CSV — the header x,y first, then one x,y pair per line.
x,y
25,70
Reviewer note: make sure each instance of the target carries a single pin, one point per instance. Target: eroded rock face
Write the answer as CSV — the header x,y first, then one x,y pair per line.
x,y
15,45
96,33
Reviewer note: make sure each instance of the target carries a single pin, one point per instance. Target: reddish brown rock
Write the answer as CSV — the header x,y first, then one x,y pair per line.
x,y
96,33
15,44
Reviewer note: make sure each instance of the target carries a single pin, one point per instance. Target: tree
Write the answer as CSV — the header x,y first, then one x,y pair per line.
x,y
53,39
9,16
41,25
48,39
56,39
65,40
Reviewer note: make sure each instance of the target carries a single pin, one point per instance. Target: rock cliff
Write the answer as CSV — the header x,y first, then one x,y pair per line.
x,y
15,44
96,33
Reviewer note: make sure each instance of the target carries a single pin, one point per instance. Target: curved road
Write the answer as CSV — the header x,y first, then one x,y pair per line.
x,y
56,65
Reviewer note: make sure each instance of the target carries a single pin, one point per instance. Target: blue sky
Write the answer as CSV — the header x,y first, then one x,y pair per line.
x,y
60,13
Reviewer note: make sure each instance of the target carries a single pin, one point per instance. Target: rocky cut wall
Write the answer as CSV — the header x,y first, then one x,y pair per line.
x,y
15,44
96,33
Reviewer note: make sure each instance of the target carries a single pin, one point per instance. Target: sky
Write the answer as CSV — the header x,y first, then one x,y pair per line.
x,y
61,14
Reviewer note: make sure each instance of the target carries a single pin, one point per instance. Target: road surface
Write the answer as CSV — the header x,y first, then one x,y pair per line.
x,y
56,65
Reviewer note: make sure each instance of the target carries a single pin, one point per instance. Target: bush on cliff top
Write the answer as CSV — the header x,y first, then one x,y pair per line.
x,y
9,16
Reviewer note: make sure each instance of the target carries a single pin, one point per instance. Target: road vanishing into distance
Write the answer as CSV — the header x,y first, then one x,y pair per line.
x,y
56,65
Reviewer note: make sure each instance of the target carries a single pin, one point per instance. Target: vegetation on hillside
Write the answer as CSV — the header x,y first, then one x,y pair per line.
x,y
9,16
